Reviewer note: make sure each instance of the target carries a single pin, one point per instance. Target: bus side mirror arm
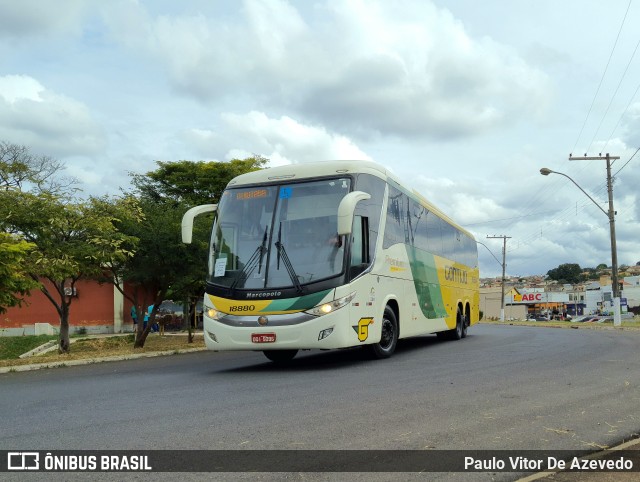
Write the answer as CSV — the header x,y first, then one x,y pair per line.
x,y
187,220
346,209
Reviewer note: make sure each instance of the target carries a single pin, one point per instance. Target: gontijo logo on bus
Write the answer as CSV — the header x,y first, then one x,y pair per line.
x,y
362,328
456,275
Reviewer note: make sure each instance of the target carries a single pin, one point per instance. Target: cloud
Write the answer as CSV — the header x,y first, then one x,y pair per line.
x,y
414,71
45,121
283,140
25,18
632,125
364,68
14,88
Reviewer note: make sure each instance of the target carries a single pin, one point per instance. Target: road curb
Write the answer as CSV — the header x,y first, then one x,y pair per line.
x,y
629,444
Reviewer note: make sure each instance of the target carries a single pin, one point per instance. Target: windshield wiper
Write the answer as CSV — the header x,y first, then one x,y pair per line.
x,y
285,260
263,248
254,261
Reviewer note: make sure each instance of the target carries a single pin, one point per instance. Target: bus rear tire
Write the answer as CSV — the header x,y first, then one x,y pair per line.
x,y
465,325
458,333
280,356
389,337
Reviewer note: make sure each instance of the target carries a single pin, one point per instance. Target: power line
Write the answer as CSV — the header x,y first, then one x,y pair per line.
x,y
507,219
621,117
602,78
625,164
613,96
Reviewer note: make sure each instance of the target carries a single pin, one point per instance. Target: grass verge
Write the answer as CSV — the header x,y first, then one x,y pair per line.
x,y
92,347
14,346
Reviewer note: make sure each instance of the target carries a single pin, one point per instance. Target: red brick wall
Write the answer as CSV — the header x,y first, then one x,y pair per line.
x,y
93,306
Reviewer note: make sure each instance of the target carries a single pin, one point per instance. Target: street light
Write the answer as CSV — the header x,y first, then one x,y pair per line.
x,y
612,228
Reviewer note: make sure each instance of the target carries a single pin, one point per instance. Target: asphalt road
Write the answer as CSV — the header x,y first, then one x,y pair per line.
x,y
503,387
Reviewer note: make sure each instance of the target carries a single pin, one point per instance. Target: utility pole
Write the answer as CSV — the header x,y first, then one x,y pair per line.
x,y
615,286
504,266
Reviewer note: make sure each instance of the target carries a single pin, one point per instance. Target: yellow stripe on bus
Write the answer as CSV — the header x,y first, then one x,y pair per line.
x,y
246,307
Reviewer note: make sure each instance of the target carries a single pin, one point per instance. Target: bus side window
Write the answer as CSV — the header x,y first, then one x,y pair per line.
x,y
359,246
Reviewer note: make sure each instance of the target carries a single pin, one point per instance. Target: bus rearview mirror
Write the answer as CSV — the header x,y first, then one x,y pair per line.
x,y
346,209
187,220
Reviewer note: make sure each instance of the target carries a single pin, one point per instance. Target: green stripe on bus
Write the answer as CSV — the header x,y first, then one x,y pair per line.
x,y
427,285
300,303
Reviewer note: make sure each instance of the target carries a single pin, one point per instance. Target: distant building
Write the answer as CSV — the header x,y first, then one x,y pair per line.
x,y
490,305
532,296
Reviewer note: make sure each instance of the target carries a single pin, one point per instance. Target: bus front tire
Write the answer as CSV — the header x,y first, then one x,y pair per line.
x,y
388,338
280,356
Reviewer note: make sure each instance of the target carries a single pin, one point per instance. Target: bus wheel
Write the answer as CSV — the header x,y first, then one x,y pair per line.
x,y
464,324
280,356
389,338
459,332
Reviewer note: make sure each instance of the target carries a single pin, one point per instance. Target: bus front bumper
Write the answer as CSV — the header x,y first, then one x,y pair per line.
x,y
323,332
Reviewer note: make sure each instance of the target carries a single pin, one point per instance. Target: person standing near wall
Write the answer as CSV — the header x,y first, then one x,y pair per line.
x,y
134,318
147,313
155,328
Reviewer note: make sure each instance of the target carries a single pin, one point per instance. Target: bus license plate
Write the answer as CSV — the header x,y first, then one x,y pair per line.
x,y
263,337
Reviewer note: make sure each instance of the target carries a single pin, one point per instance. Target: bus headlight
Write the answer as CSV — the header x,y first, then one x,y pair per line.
x,y
215,314
331,306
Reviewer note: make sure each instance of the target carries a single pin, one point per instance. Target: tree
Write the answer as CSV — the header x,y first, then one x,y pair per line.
x,y
162,264
160,261
590,274
72,240
15,282
193,183
566,273
19,169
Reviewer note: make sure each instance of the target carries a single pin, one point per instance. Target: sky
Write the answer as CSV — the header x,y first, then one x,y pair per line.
x,y
464,101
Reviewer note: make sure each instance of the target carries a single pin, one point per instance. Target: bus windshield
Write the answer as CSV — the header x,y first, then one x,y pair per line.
x,y
277,236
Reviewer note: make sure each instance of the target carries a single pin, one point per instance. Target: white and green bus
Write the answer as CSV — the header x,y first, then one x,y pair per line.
x,y
332,254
